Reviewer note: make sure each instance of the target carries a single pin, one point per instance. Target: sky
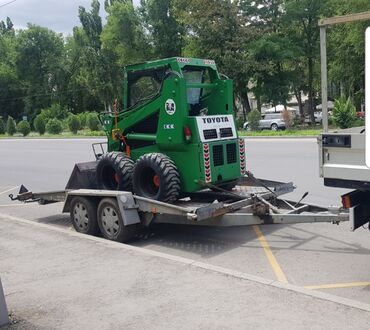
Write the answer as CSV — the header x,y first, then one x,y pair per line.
x,y
58,15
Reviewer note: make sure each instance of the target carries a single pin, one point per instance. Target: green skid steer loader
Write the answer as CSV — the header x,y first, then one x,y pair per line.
x,y
175,133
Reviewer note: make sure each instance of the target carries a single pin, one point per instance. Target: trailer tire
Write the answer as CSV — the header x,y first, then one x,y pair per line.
x,y
155,176
111,223
114,172
83,216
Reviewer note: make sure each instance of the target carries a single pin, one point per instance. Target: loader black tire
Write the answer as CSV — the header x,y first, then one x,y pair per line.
x,y
111,223
83,215
114,172
156,176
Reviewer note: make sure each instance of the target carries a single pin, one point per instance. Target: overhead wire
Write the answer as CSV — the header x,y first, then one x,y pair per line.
x,y
7,3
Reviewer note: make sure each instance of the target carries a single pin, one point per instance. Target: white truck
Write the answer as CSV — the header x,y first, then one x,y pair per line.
x,y
342,165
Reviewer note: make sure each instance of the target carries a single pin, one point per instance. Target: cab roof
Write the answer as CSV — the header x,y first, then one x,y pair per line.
x,y
172,61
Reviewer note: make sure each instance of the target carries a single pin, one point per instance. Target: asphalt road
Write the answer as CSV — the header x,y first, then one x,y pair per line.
x,y
307,254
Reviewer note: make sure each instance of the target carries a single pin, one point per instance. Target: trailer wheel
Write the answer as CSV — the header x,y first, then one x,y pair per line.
x,y
155,176
83,216
114,172
111,224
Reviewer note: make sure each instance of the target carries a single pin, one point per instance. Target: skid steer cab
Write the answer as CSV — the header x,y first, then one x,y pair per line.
x,y
175,134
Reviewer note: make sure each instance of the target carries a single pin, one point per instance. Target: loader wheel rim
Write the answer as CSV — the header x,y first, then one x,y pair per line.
x,y
156,181
110,177
110,221
148,182
80,216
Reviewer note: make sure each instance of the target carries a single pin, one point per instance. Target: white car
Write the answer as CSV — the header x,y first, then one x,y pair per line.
x,y
272,121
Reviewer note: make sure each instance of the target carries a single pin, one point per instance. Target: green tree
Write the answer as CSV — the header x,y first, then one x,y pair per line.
x,y
215,30
54,126
272,77
300,24
38,61
254,118
93,121
344,113
93,66
7,27
165,31
10,126
73,123
2,126
346,52
124,34
24,127
39,124
11,86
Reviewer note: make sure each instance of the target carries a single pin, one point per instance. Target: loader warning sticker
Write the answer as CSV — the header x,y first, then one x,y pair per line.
x,y
207,163
242,156
170,107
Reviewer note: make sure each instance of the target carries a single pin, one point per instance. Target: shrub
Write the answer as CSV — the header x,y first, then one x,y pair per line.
x,y
288,118
331,121
2,126
358,123
93,121
254,118
73,123
83,119
39,124
240,122
344,113
10,126
54,126
24,128
55,111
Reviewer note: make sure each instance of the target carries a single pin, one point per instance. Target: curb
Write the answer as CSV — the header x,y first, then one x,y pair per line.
x,y
4,318
201,265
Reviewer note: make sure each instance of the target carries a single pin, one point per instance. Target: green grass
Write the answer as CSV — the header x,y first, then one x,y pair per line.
x,y
303,132
63,135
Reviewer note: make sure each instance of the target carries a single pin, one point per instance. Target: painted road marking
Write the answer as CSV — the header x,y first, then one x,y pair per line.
x,y
13,205
270,256
4,192
337,285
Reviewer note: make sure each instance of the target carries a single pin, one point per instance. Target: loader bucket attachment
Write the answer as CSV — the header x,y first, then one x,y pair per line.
x,y
83,176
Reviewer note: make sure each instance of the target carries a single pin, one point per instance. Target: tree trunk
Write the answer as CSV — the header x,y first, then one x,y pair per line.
x,y
246,105
298,96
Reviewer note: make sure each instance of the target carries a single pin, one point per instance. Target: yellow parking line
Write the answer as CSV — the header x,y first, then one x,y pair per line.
x,y
270,256
337,285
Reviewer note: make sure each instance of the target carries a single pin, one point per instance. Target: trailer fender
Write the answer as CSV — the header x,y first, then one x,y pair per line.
x,y
128,208
126,202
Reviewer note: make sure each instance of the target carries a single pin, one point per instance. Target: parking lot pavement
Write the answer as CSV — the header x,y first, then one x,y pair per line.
x,y
56,278
322,257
